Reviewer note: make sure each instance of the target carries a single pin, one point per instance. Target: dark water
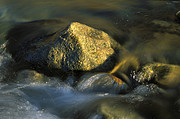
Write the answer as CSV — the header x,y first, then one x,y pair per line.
x,y
147,28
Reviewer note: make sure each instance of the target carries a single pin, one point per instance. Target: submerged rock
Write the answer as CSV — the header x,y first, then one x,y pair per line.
x,y
102,82
31,76
78,47
141,108
163,74
114,110
129,106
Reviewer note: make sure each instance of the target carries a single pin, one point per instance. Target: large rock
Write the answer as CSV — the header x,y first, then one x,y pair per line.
x,y
78,47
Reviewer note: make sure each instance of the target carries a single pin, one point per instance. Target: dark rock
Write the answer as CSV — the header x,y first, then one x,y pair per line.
x,y
102,82
163,74
78,47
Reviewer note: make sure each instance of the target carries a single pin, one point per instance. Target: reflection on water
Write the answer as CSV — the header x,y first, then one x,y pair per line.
x,y
147,28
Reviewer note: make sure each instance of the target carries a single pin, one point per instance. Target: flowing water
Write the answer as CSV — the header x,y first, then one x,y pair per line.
x,y
147,28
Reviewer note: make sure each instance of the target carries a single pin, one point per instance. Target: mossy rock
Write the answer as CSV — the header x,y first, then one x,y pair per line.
x,y
163,74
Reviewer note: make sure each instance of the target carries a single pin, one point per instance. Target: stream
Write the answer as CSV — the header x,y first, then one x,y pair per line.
x,y
149,29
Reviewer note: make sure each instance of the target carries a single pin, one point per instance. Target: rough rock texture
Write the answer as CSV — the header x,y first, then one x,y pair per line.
x,y
81,48
78,47
164,74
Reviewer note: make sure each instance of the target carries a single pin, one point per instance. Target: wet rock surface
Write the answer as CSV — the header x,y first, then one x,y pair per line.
x,y
102,83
